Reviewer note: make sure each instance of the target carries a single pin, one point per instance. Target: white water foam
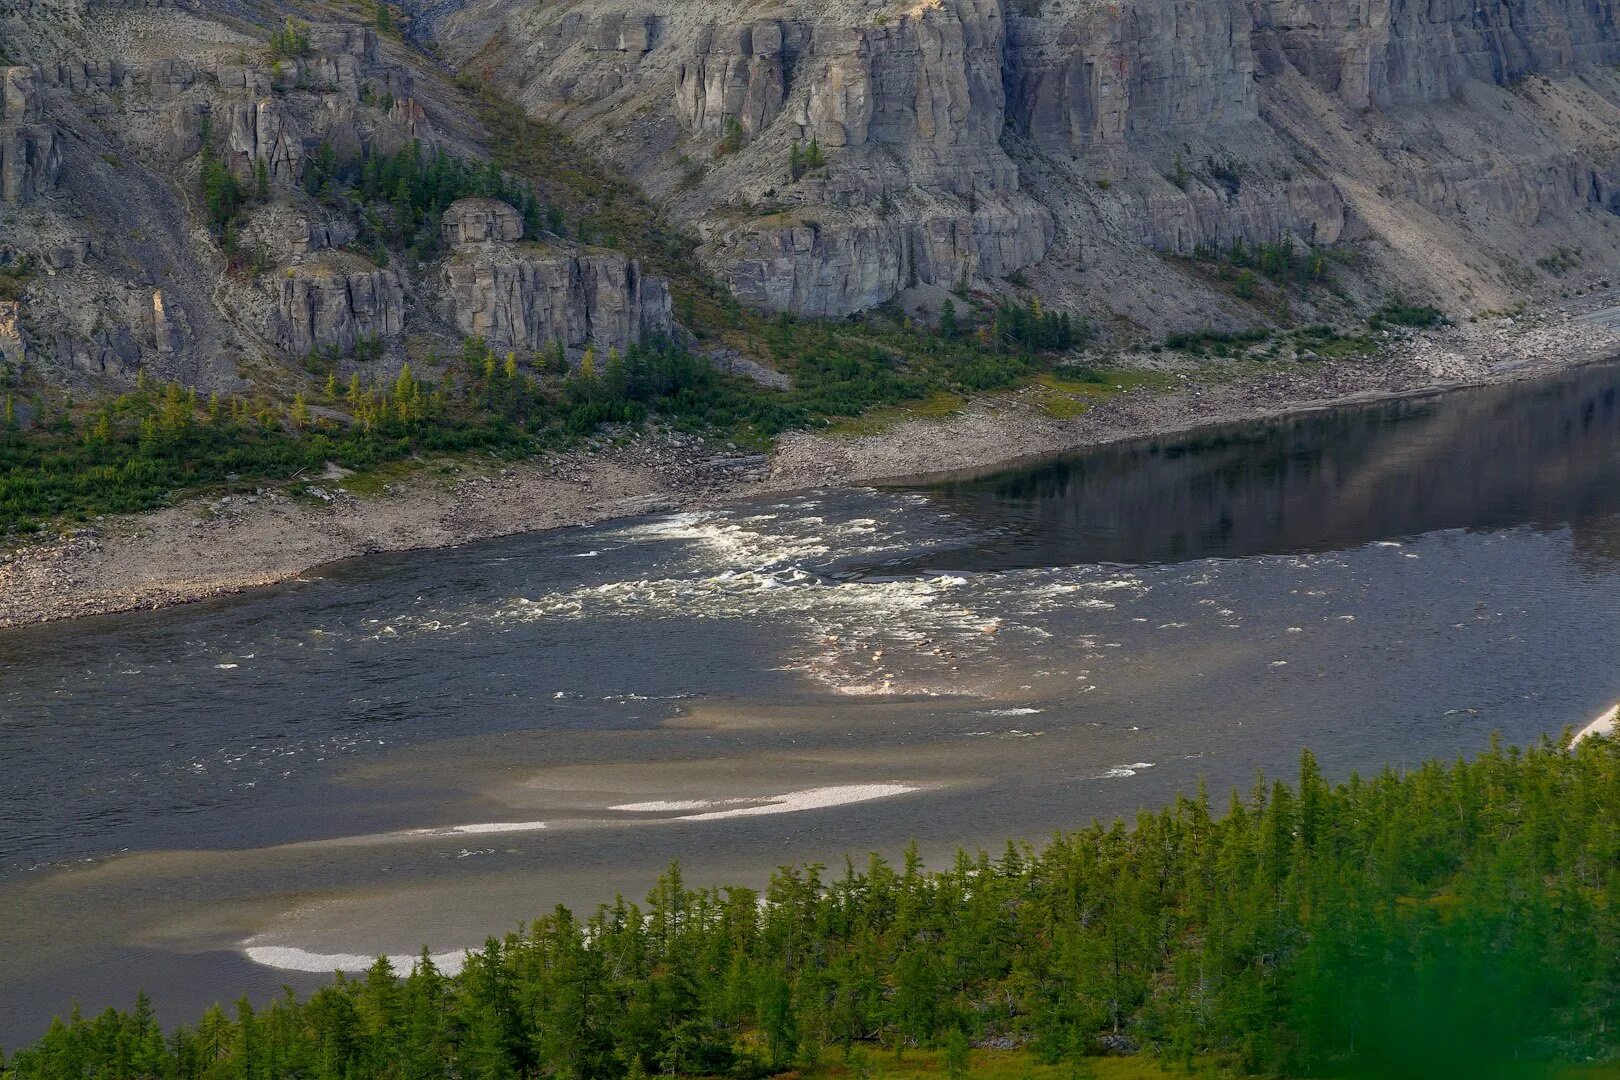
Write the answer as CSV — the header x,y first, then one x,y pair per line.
x,y
819,798
697,810
937,631
291,958
1120,772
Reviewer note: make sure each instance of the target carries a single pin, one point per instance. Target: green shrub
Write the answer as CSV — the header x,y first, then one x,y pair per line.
x,y
1397,313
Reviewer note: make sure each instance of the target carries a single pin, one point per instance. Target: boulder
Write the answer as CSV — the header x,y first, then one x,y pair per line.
x,y
479,220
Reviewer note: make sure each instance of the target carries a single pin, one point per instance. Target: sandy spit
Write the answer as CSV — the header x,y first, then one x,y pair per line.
x,y
211,547
1603,725
291,958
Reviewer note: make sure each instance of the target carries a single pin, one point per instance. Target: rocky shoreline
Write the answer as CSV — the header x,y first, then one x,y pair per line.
x,y
211,547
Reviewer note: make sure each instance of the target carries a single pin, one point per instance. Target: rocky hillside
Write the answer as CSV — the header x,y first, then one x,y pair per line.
x,y
1110,155
221,197
210,192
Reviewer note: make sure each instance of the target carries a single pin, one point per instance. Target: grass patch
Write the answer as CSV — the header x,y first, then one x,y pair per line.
x,y
936,406
1330,344
15,276
377,479
1210,342
1327,342
1072,392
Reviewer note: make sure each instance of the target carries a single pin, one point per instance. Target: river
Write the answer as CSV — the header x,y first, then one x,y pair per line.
x,y
426,748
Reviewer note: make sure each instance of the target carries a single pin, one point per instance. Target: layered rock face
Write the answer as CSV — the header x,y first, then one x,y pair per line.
x,y
1374,55
106,111
263,135
1106,77
916,188
963,140
829,272
107,117
29,156
532,296
908,183
830,156
478,221
531,299
736,74
331,305
13,351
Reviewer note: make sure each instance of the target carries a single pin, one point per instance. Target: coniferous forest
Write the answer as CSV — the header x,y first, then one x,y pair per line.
x,y
1443,921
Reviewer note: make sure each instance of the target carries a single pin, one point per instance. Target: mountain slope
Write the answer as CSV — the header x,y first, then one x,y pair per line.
x,y
220,197
1463,154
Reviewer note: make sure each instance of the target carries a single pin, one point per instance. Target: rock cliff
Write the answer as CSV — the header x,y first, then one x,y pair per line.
x,y
829,157
134,258
960,141
29,156
332,304
533,296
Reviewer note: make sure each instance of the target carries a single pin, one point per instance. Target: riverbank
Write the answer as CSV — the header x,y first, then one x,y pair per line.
x,y
211,547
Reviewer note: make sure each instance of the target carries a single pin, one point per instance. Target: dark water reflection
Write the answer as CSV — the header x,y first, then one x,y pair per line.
x,y
1539,454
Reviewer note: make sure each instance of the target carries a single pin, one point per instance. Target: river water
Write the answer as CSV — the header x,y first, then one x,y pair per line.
x,y
425,748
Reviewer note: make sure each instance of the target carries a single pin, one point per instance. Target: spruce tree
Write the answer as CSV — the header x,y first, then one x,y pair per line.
x,y
956,1054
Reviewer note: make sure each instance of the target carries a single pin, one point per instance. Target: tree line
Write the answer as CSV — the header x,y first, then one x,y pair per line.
x,y
134,451
1438,921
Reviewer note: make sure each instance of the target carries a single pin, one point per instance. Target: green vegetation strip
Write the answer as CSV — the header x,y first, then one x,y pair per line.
x,y
138,450
1457,920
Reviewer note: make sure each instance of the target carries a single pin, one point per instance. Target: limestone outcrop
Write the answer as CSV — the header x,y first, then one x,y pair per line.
x,y
105,111
959,141
736,75
13,350
282,234
829,156
478,220
29,155
530,297
1106,76
1374,55
329,305
533,296
263,135
827,269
